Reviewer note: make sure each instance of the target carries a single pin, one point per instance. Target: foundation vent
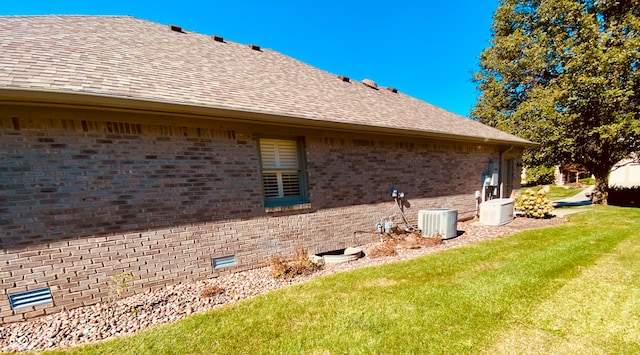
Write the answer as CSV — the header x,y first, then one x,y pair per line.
x,y
224,261
30,298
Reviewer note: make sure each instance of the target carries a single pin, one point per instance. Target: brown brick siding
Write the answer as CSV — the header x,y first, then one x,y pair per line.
x,y
82,200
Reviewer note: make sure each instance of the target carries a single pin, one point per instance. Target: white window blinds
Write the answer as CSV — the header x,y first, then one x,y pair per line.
x,y
280,169
279,154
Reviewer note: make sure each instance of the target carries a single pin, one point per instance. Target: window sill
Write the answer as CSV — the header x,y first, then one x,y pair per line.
x,y
289,208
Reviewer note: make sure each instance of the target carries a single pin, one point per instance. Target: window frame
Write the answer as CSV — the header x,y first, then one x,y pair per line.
x,y
303,196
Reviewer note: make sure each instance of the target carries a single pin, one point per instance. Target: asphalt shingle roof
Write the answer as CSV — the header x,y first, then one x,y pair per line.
x,y
133,58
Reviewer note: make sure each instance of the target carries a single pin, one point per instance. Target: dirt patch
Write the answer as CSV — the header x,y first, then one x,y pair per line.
x,y
402,240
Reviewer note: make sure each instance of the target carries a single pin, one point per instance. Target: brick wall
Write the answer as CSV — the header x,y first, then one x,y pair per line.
x,y
85,198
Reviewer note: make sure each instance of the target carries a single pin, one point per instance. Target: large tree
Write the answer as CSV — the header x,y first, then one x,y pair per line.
x,y
565,74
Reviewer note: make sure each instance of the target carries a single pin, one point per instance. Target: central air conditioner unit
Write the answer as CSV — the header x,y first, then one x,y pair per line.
x,y
441,222
496,212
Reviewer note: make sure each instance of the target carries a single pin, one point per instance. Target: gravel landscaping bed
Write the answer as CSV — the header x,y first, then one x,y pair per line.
x,y
141,311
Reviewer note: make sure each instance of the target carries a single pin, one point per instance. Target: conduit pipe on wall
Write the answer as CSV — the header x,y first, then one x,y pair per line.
x,y
502,177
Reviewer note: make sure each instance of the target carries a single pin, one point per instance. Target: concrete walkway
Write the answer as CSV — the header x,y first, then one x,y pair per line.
x,y
579,199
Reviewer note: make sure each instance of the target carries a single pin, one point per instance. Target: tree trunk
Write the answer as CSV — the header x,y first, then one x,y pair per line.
x,y
601,190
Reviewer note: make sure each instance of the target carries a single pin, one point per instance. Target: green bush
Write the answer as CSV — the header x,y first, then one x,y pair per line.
x,y
535,204
624,196
540,175
587,181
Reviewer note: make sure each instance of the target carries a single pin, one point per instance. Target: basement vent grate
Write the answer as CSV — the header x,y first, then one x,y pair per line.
x,y
30,298
224,261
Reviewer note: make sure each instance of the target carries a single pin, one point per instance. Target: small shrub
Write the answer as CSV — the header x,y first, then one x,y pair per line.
x,y
302,259
299,265
534,204
120,284
117,288
278,266
211,291
135,310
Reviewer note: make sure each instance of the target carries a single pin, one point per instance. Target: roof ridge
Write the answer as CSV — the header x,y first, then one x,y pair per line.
x,y
72,15
132,58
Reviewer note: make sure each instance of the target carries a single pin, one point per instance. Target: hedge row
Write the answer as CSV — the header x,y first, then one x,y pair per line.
x,y
624,196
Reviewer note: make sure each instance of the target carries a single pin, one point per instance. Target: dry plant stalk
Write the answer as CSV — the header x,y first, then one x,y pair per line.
x,y
211,291
300,265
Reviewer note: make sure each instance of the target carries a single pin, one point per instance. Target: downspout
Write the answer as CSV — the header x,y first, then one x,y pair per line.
x,y
502,154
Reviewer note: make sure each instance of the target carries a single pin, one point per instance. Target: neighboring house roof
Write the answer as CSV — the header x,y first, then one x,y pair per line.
x,y
128,58
626,172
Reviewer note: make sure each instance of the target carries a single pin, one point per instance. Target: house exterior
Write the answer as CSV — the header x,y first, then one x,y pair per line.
x,y
626,173
565,174
131,146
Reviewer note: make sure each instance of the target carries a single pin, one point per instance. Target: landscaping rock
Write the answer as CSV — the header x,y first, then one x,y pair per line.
x,y
174,302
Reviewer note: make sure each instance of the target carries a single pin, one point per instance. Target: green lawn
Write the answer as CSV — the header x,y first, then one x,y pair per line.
x,y
560,192
571,289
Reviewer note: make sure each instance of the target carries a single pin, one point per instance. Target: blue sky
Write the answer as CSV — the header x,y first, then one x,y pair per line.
x,y
426,49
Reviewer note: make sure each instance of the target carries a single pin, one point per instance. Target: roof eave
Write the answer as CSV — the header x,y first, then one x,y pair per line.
x,y
57,98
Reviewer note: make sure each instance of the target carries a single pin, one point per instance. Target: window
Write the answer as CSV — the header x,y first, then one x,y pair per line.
x,y
282,172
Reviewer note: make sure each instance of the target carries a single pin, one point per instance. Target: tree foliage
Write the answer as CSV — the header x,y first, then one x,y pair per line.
x,y
565,74
540,175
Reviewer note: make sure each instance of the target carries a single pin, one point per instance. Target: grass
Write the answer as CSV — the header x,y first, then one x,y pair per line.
x,y
588,181
560,192
569,289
